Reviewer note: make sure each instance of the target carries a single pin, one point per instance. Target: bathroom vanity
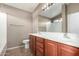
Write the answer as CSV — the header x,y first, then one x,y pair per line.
x,y
53,44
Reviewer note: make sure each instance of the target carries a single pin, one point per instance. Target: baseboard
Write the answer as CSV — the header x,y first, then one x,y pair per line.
x,y
14,47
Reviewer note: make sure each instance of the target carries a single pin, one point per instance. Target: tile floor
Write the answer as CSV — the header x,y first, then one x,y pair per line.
x,y
18,52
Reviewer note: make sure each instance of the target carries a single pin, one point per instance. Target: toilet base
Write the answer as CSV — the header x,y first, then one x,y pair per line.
x,y
26,46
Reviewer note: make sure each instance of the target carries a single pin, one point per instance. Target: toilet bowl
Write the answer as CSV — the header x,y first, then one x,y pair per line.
x,y
26,43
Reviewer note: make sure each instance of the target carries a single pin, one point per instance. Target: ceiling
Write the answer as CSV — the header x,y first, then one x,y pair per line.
x,y
53,11
30,7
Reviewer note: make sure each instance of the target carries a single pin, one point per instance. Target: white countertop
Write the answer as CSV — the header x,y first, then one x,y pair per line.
x,y
58,37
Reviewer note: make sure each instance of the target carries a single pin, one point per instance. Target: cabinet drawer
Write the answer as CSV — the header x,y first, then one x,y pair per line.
x,y
39,39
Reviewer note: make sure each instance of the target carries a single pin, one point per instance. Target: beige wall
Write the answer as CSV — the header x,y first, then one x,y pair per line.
x,y
72,8
19,25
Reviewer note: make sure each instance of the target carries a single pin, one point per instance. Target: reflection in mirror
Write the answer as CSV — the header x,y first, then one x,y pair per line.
x,y
50,19
73,18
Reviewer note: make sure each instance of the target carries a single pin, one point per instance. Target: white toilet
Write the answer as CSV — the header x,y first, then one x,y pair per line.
x,y
26,43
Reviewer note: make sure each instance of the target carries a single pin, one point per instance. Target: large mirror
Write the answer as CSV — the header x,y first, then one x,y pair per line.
x,y
50,18
58,17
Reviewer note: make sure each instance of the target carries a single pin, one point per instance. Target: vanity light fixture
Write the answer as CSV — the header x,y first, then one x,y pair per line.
x,y
47,6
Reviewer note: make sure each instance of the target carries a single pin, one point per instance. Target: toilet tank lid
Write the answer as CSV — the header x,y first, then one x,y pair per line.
x,y
25,41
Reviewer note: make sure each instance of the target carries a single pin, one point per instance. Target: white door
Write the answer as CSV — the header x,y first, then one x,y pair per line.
x,y
3,30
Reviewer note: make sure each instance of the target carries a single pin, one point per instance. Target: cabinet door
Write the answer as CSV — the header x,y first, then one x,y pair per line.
x,y
67,50
39,46
50,48
30,42
33,44
39,51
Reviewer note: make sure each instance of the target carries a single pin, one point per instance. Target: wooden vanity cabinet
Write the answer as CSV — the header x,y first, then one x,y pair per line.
x,y
51,48
44,47
32,44
39,46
